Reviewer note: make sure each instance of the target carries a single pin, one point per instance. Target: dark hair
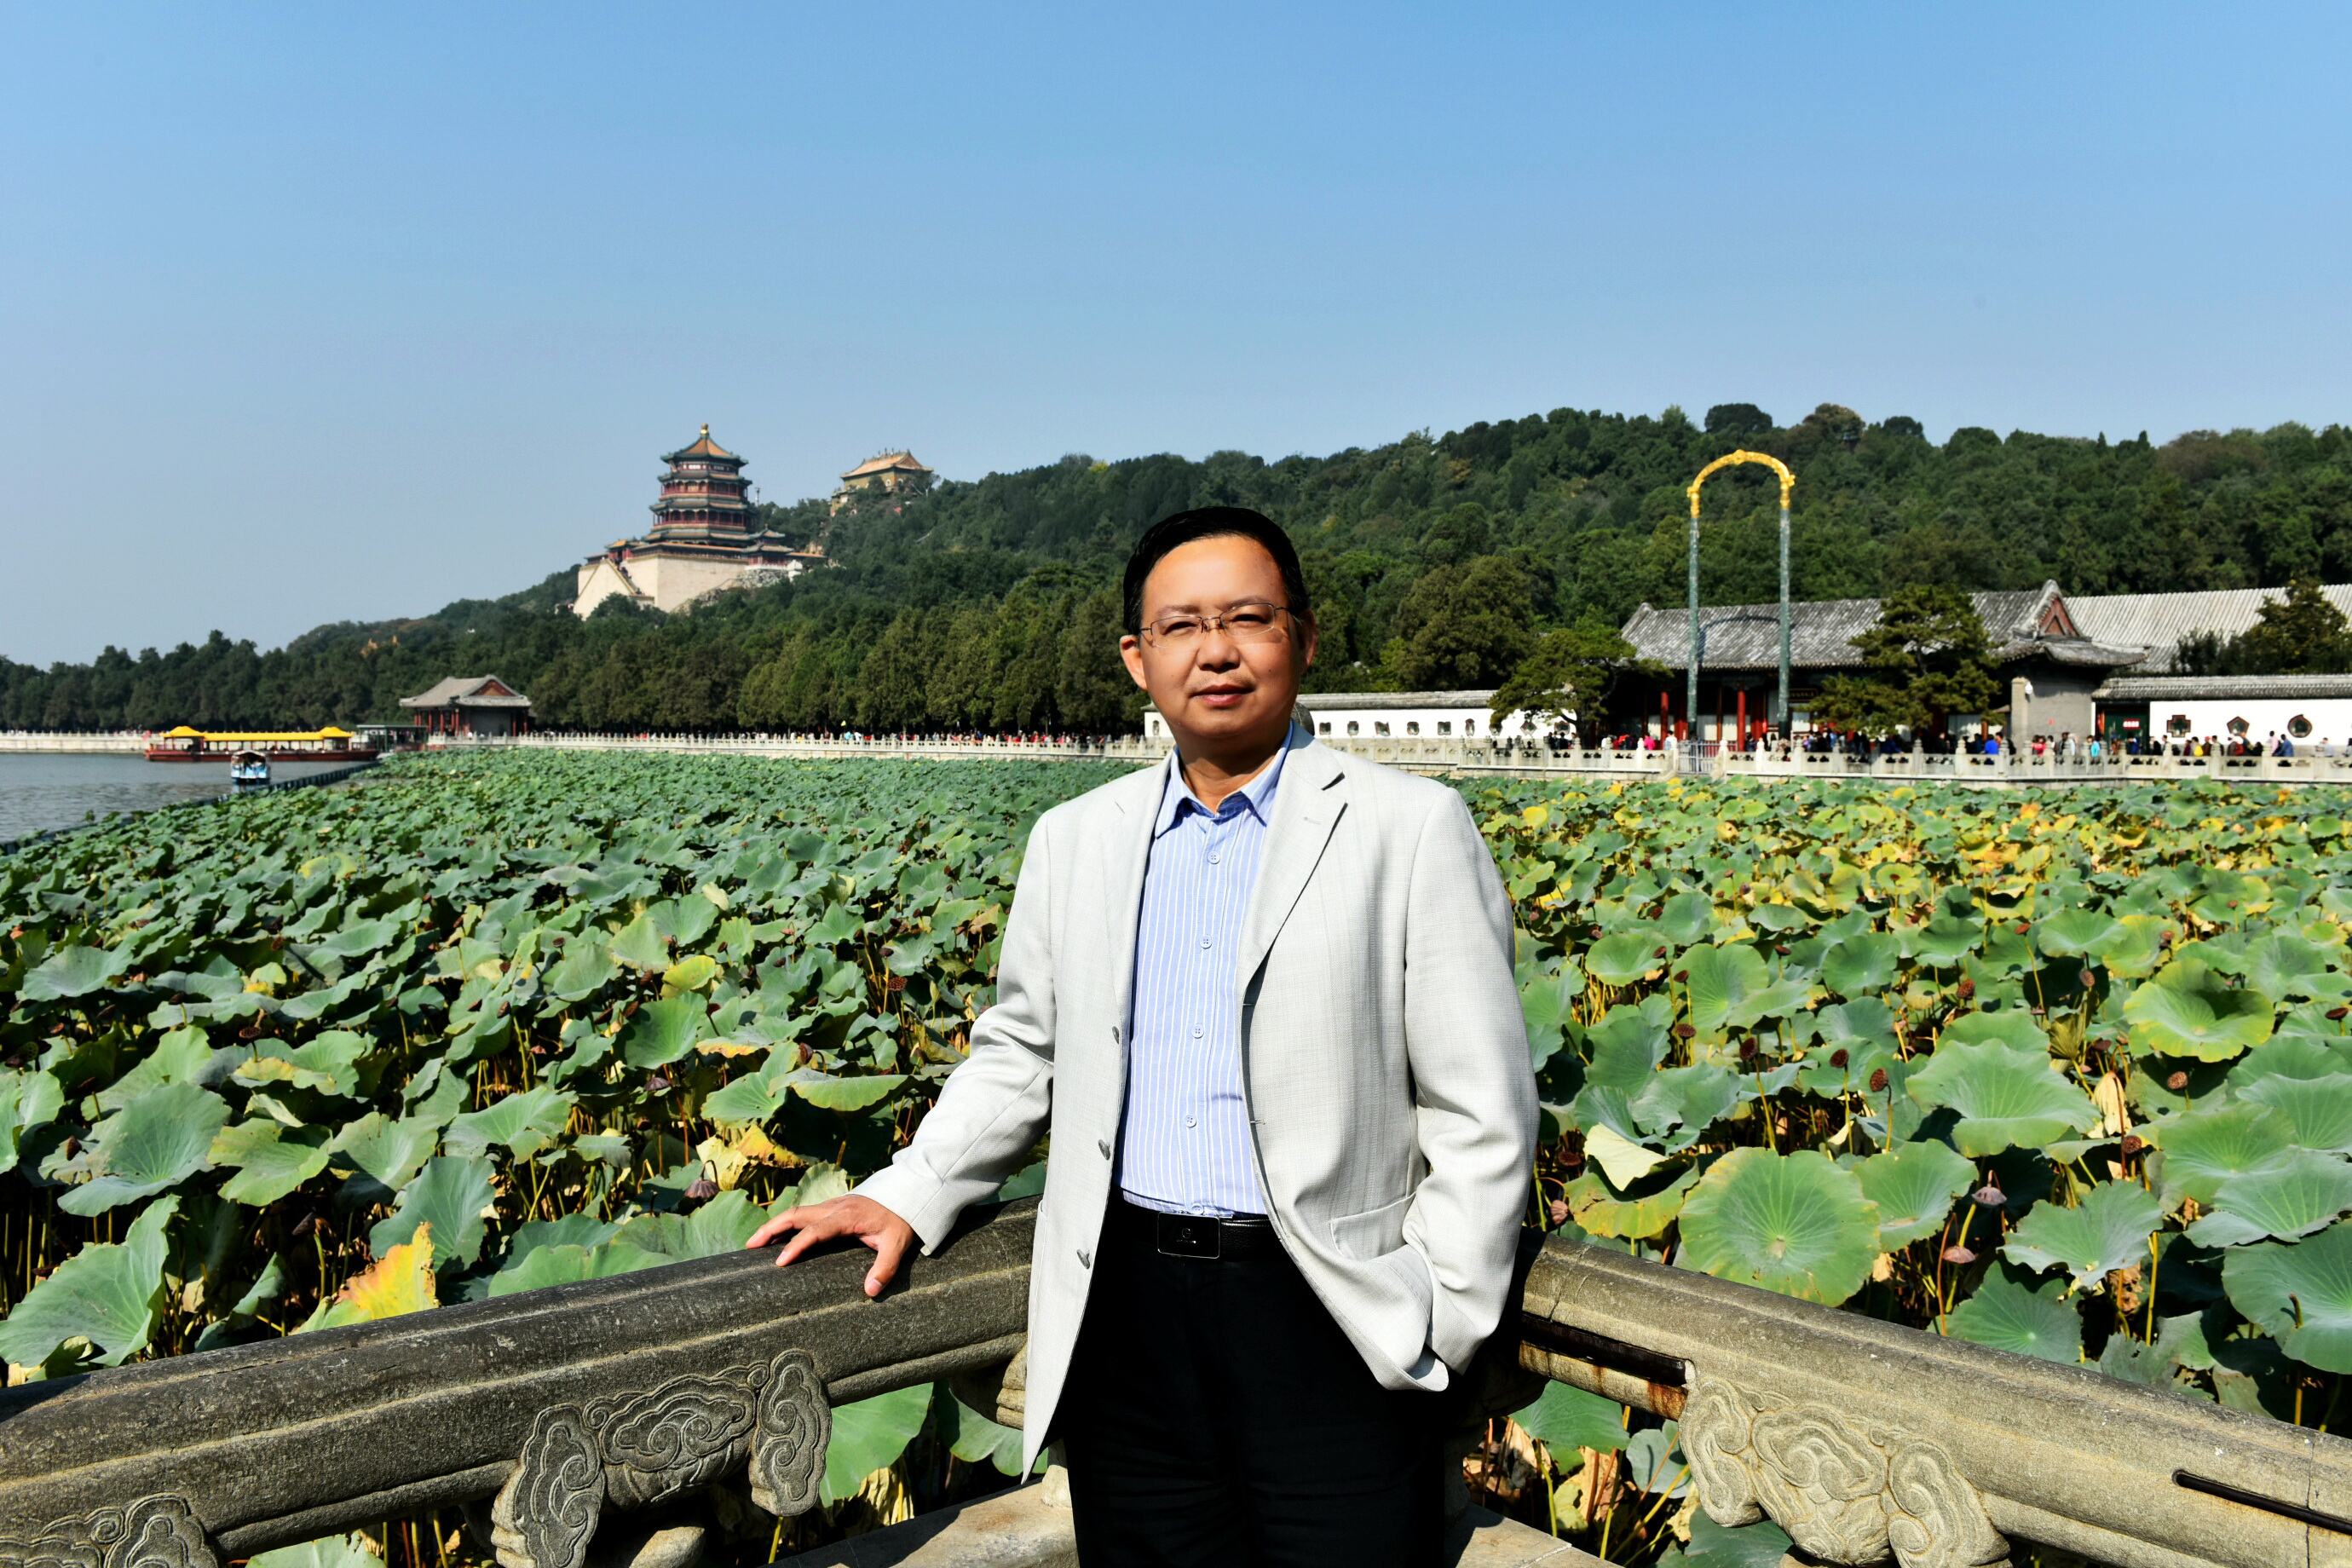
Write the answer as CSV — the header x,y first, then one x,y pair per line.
x,y
1212,523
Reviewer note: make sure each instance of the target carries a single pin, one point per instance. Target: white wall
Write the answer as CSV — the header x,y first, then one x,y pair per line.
x,y
2331,716
1402,723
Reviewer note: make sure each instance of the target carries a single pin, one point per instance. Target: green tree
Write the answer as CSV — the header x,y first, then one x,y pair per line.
x,y
891,679
1462,627
1092,690
2303,633
1926,657
1568,676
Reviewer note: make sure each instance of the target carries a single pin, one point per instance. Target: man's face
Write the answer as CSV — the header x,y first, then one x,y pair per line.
x,y
1211,687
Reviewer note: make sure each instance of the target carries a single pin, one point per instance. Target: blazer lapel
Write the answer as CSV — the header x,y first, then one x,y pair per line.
x,y
1307,807
1126,857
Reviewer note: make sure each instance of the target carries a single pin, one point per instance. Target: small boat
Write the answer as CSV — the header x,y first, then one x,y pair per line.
x,y
249,770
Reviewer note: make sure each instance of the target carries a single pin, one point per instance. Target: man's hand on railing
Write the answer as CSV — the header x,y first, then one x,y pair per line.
x,y
869,1221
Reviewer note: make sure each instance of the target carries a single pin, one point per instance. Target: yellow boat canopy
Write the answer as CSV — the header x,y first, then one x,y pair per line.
x,y
243,737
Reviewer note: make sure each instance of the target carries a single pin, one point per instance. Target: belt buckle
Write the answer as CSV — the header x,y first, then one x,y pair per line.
x,y
1190,1236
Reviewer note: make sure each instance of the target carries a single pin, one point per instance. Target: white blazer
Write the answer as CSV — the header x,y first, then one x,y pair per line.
x,y
1385,1062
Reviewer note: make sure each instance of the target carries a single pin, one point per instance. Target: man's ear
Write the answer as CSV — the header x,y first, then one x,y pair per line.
x,y
1130,653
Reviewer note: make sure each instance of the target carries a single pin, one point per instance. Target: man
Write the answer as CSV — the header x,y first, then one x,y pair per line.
x,y
1261,996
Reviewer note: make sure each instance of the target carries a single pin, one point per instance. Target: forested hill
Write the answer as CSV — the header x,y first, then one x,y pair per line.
x,y
1432,562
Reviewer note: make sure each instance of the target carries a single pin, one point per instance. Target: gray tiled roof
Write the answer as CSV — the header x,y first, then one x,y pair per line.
x,y
461,690
2220,688
1821,633
2159,621
1326,701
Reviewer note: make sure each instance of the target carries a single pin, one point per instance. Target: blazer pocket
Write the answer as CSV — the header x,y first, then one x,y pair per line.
x,y
1373,1233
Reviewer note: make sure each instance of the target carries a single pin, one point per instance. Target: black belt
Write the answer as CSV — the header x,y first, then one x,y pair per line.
x,y
1204,1236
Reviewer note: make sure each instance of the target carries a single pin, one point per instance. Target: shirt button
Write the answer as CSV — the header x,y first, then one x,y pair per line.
x,y
1188,1121
1196,1031
1213,857
1204,941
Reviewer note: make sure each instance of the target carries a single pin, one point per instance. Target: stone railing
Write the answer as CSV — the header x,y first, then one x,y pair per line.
x,y
132,742
561,1417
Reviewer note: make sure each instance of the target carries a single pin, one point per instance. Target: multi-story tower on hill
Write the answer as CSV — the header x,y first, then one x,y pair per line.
x,y
705,537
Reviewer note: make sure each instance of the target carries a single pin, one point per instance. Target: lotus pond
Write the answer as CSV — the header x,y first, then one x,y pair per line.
x,y
2064,1073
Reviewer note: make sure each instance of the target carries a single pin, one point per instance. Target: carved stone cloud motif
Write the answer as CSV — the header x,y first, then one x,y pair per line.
x,y
1843,1491
634,1451
158,1531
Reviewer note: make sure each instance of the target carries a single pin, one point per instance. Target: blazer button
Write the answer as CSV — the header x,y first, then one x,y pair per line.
x,y
1114,1034
1085,1259
1104,1147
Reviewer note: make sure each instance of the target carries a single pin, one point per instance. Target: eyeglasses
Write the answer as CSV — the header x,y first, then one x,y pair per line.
x,y
1250,621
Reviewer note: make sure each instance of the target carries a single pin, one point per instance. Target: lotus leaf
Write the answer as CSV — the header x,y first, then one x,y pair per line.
x,y
870,1434
1653,1465
1627,1046
1548,998
1625,957
1565,1419
521,1124
387,1152
639,945
2305,1191
975,1439
452,1195
566,1263
691,974
1943,941
2319,1109
2006,1098
2299,1292
2075,932
1731,988
109,1294
1689,1098
1862,964
157,1141
2206,1148
664,1031
72,972
2183,1012
28,1099
268,1165
2107,1231
2010,1312
584,967
1759,1545
2283,966
400,1281
1914,1186
1791,1223
1623,1160
2015,1029
182,1056
331,1551
1643,1210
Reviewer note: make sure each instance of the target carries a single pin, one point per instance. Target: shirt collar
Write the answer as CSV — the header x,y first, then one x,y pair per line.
x,y
1257,796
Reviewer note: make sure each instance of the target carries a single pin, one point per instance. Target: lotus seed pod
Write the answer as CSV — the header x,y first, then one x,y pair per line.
x,y
1990,1196
1838,1057
2177,1082
1959,1256
702,1189
2132,1144
1878,1081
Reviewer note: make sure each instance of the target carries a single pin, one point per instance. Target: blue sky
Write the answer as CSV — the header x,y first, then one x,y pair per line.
x,y
318,314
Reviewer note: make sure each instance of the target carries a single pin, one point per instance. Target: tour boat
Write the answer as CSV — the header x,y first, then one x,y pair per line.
x,y
328,745
249,770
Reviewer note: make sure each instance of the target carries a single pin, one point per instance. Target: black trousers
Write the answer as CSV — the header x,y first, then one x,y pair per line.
x,y
1216,1415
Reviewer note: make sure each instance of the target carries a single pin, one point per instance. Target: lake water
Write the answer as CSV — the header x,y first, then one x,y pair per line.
x,y
41,790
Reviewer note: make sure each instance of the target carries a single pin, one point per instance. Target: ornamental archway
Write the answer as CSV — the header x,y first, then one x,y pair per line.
x,y
1780,710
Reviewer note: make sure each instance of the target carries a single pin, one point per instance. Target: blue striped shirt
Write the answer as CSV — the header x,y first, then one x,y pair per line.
x,y
1184,1142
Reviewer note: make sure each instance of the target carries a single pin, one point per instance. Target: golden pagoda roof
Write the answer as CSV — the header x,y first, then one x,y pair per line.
x,y
903,462
703,446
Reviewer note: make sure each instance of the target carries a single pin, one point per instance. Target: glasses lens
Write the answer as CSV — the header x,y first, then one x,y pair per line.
x,y
1251,623
1175,628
